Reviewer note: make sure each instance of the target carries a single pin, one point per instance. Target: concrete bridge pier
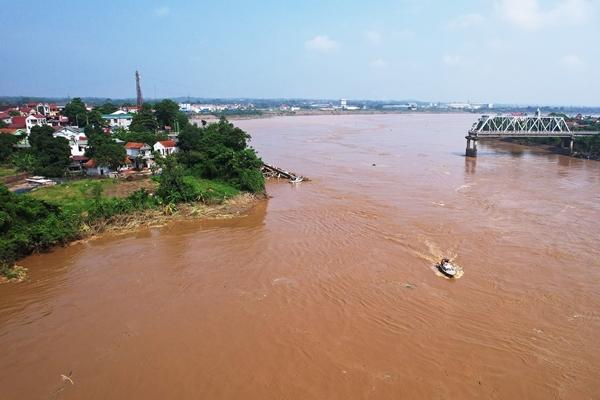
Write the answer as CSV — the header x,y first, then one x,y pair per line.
x,y
567,143
571,143
471,146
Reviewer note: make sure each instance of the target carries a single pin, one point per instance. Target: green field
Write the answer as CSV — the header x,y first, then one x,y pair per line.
x,y
211,192
7,171
74,195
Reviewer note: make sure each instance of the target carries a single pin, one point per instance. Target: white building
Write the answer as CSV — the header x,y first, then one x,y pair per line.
x,y
77,139
118,119
165,147
140,154
34,120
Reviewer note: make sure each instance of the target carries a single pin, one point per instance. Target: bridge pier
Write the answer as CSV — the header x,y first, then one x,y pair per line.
x,y
471,146
567,143
571,143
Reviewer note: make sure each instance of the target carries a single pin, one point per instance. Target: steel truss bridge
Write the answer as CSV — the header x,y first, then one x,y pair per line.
x,y
501,126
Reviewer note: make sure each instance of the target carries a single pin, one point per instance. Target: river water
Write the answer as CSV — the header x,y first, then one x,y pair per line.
x,y
326,290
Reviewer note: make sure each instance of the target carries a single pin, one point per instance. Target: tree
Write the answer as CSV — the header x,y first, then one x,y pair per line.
x,y
52,154
107,108
166,112
172,187
7,146
149,138
94,119
105,151
220,151
144,120
76,112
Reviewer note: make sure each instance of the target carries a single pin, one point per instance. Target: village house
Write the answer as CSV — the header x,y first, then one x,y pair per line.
x,y
92,169
77,140
140,155
118,119
165,147
34,120
5,117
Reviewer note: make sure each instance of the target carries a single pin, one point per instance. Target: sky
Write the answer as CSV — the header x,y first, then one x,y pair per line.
x,y
496,51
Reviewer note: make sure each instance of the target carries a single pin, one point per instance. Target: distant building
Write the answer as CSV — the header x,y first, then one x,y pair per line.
x,y
118,119
343,104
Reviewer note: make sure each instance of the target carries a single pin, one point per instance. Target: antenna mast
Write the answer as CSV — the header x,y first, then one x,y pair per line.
x,y
138,89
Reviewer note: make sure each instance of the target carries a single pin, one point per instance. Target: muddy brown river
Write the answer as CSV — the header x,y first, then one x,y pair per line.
x,y
326,290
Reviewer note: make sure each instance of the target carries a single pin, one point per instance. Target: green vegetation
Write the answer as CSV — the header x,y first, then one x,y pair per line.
x,y
589,146
104,150
144,120
215,163
168,114
78,115
28,225
7,171
75,196
51,155
7,143
220,152
149,138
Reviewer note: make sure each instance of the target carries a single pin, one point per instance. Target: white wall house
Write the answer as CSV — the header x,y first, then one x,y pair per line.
x,y
165,147
34,120
140,154
76,137
118,119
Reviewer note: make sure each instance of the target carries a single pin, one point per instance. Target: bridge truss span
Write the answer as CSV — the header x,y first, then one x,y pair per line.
x,y
510,126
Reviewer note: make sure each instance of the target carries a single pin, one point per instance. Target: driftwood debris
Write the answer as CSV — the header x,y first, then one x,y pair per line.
x,y
272,172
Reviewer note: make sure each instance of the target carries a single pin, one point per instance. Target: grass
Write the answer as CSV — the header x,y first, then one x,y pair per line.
x,y
7,171
79,195
74,195
212,192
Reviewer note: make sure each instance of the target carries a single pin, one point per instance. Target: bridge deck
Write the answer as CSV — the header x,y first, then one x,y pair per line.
x,y
516,134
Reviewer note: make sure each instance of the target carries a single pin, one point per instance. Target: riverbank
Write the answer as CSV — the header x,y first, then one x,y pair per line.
x,y
80,210
548,145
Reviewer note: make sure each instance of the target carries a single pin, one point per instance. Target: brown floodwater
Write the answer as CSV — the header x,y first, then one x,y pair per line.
x,y
327,290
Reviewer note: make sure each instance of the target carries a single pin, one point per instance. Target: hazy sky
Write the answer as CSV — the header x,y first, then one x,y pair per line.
x,y
510,51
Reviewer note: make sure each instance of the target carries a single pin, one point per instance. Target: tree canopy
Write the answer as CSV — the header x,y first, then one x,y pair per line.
x,y
166,112
144,120
220,151
7,143
105,151
52,155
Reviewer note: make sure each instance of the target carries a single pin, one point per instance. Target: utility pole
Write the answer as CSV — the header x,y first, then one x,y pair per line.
x,y
138,89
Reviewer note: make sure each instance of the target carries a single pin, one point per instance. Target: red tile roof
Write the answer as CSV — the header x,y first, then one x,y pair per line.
x,y
168,143
18,122
79,158
10,131
134,145
4,115
39,116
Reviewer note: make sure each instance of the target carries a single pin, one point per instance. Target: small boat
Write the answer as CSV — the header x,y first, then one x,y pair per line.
x,y
297,179
446,268
40,180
